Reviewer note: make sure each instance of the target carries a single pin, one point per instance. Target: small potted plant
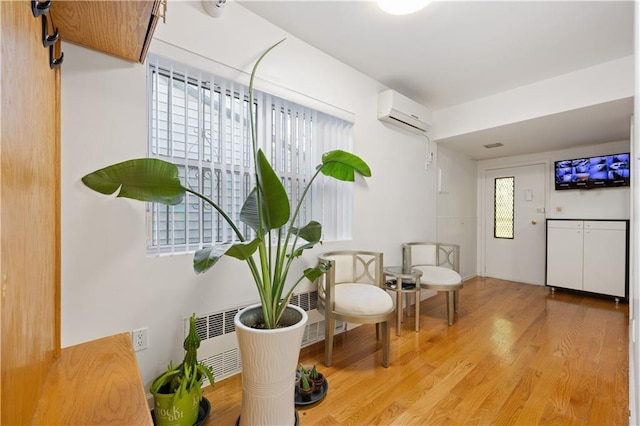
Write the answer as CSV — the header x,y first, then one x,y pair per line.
x,y
317,378
305,388
302,371
178,391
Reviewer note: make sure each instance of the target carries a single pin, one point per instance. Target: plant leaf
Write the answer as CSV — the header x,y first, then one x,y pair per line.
x,y
275,207
314,273
144,179
205,258
311,232
298,251
249,211
243,251
343,165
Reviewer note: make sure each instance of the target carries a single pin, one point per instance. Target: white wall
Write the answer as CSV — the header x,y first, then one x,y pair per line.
x,y
634,275
457,211
605,203
594,85
109,285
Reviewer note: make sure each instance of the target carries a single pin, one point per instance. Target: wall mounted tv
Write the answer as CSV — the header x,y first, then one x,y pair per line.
x,y
602,171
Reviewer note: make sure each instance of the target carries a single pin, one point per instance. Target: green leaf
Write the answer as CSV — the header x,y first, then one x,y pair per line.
x,y
343,165
205,258
311,232
243,251
144,179
298,251
314,273
249,211
275,207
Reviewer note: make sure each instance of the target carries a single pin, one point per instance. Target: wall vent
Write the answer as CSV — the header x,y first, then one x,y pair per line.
x,y
219,346
493,145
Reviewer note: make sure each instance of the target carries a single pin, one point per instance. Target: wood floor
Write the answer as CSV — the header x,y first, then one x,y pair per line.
x,y
517,355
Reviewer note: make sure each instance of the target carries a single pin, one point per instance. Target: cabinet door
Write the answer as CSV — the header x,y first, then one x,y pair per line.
x,y
564,254
605,257
120,28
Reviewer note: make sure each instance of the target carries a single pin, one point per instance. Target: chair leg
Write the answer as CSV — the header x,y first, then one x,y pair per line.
x,y
450,306
456,300
386,343
330,325
398,310
416,297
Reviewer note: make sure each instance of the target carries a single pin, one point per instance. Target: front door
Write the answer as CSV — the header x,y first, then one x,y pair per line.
x,y
515,223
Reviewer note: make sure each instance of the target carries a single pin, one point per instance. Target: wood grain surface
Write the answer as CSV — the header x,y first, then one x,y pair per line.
x,y
29,211
93,383
516,355
118,27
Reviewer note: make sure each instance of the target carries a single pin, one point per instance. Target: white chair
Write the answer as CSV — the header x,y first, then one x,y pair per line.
x,y
440,266
352,290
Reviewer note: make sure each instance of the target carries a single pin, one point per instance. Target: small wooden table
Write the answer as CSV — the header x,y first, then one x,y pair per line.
x,y
400,274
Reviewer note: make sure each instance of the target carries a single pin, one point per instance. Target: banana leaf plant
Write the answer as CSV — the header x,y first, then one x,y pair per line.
x,y
267,211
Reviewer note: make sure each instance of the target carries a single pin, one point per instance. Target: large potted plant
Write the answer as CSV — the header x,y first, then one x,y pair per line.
x,y
267,398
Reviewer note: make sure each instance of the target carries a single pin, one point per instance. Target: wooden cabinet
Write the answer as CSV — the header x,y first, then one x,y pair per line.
x,y
119,28
29,212
93,383
588,255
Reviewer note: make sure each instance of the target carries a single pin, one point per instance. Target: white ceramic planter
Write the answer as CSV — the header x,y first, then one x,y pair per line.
x,y
269,361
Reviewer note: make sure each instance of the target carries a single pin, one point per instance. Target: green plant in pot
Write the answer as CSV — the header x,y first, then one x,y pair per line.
x,y
178,391
317,378
268,212
305,388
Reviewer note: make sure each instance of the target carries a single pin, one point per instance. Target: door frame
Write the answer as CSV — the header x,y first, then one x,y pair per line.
x,y
490,166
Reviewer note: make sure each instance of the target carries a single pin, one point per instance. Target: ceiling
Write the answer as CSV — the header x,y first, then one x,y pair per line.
x,y
452,52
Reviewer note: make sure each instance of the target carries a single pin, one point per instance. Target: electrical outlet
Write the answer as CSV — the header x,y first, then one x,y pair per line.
x,y
139,339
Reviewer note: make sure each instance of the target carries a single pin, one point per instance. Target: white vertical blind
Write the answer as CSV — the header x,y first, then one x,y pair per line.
x,y
201,123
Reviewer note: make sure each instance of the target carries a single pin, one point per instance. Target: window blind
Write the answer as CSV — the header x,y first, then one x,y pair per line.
x,y
201,124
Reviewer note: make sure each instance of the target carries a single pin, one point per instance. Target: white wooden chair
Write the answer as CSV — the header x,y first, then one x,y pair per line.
x,y
352,290
440,266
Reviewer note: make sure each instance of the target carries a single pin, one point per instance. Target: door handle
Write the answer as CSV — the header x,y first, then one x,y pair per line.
x,y
533,222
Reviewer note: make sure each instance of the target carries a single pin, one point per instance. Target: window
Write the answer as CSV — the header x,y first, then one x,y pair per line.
x,y
201,124
503,207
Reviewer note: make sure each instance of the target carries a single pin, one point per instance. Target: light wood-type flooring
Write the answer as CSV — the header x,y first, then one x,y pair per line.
x,y
517,355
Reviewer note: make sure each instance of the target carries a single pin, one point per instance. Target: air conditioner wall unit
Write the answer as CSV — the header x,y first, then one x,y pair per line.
x,y
403,112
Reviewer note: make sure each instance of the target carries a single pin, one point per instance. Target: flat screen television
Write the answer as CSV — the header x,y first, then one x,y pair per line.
x,y
602,171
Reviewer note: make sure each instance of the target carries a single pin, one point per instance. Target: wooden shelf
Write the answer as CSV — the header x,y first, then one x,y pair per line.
x,y
95,383
120,28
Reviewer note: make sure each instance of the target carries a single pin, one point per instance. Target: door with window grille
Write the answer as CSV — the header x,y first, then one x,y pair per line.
x,y
514,232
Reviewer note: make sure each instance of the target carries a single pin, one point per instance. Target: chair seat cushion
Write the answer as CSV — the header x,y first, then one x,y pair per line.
x,y
438,275
362,299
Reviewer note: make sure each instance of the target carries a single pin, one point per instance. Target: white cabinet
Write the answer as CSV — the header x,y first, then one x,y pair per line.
x,y
564,253
588,255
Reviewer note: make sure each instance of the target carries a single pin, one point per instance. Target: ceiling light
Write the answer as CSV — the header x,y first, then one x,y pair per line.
x,y
402,7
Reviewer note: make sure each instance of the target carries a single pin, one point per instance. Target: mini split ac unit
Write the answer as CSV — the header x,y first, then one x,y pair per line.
x,y
401,111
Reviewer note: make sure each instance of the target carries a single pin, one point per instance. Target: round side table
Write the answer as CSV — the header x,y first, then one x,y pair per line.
x,y
401,274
